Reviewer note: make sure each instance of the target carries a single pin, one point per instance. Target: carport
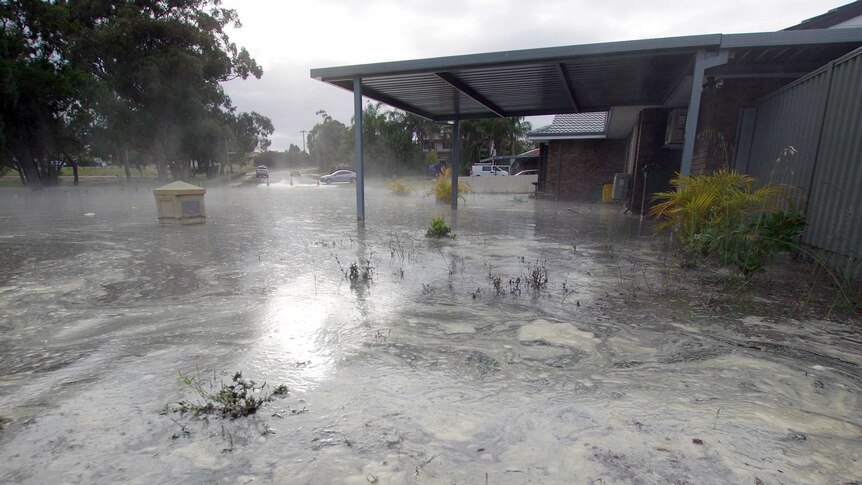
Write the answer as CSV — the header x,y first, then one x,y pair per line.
x,y
580,78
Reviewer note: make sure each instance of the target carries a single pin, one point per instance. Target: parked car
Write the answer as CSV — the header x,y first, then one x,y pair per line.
x,y
261,171
339,176
485,170
527,172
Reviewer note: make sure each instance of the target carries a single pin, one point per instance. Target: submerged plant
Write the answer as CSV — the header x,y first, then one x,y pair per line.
x,y
438,228
442,188
357,272
3,422
496,283
537,276
241,397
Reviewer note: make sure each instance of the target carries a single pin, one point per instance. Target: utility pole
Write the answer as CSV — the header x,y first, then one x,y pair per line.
x,y
303,139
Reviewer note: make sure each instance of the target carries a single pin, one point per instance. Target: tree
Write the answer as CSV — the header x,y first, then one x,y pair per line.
x,y
252,131
295,156
329,142
114,76
41,118
507,136
160,64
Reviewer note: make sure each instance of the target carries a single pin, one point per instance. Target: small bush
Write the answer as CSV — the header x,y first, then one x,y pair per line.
x,y
399,187
725,216
438,228
442,189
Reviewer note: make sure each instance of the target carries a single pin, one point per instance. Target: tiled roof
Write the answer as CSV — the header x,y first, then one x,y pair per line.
x,y
574,125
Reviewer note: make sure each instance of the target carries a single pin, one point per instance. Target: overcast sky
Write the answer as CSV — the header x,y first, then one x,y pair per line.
x,y
289,37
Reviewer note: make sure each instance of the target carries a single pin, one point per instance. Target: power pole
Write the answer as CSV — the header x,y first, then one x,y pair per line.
x,y
303,139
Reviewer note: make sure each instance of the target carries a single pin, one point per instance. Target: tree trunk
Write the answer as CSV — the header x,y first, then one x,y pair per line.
x,y
29,169
126,165
20,173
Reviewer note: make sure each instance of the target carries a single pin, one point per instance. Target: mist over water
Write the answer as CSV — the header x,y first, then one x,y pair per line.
x,y
425,375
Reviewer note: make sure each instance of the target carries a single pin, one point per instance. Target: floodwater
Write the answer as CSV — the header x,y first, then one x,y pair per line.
x,y
615,372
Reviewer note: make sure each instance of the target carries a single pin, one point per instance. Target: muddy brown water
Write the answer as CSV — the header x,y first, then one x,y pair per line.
x,y
615,372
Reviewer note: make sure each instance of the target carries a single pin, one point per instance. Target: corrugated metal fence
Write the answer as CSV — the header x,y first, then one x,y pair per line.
x,y
820,116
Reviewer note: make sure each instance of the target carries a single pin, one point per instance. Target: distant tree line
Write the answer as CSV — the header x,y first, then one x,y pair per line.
x,y
393,141
132,81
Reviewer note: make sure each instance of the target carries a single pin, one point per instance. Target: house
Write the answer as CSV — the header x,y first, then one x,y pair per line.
x,y
582,151
689,104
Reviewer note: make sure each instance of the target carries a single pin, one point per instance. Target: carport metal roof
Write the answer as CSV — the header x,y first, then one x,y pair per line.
x,y
590,77
580,78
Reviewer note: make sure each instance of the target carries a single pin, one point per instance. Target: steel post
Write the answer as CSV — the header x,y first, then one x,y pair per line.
x,y
360,168
702,62
456,160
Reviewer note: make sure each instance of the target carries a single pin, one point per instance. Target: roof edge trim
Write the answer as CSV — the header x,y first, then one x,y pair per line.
x,y
543,54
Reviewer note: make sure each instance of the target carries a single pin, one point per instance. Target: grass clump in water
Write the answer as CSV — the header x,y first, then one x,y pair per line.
x,y
442,188
399,187
439,229
3,422
357,272
537,276
239,398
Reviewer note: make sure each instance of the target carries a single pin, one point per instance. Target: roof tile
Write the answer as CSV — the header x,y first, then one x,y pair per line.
x,y
574,124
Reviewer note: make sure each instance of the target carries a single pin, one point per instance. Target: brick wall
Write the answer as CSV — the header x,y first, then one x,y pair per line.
x,y
578,168
650,150
718,118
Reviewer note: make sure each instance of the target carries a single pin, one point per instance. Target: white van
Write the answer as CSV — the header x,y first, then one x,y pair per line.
x,y
486,170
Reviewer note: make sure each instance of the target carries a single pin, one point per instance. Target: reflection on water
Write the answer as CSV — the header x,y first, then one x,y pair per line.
x,y
295,335
616,372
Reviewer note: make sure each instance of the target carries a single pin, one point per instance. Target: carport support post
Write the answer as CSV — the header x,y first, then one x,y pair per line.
x,y
357,147
456,160
702,62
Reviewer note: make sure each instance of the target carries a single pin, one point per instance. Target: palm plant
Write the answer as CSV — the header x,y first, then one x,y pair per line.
x,y
442,188
726,214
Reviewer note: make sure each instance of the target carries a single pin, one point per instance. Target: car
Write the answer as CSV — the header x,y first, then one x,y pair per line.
x,y
339,176
261,171
527,172
485,170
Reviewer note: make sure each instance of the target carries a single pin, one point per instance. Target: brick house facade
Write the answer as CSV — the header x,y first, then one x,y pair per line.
x,y
577,169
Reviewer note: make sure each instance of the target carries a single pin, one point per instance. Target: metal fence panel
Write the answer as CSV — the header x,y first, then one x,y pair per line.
x,y
820,117
787,121
835,203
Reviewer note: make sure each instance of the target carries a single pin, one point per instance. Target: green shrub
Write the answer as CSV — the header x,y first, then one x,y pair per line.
x,y
725,216
438,228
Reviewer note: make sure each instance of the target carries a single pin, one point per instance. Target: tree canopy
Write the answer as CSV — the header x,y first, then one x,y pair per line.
x,y
393,140
103,77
